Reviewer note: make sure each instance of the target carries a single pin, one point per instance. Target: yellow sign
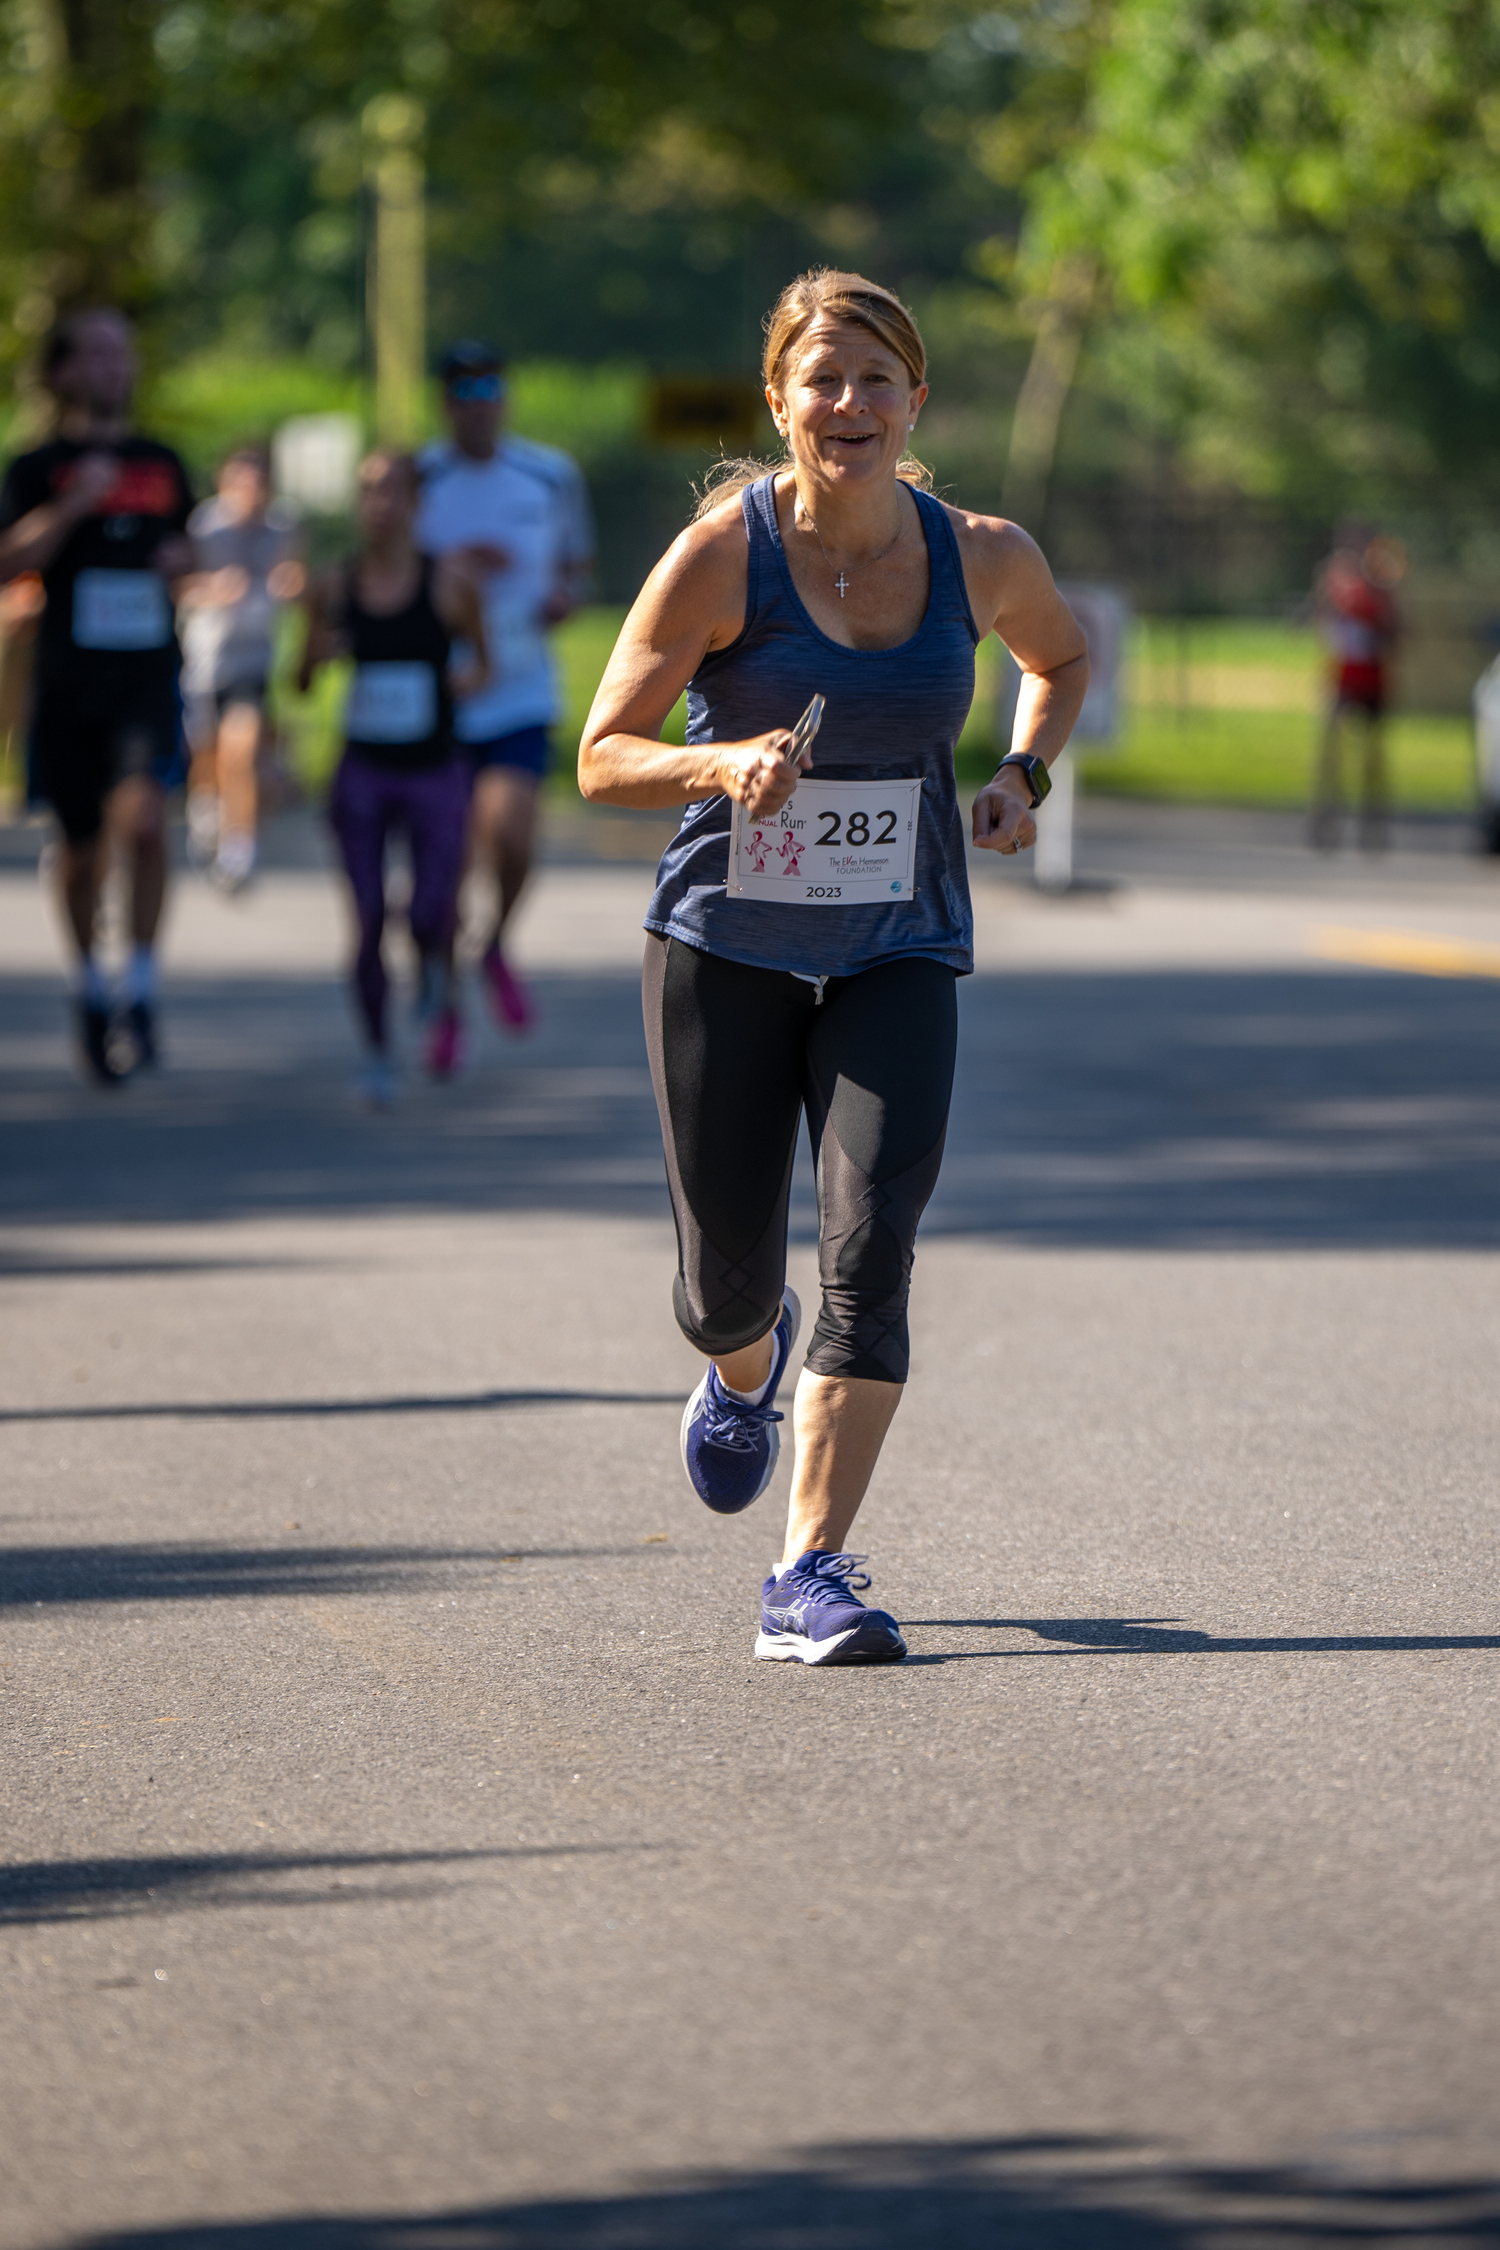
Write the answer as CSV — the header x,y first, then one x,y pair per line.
x,y
705,411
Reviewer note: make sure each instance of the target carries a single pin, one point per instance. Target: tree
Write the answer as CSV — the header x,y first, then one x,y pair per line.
x,y
76,97
1298,213
146,145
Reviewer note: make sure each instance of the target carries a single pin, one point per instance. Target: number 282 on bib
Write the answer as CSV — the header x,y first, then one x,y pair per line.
x,y
833,843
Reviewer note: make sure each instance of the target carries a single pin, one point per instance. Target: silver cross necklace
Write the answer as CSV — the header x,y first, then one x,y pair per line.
x,y
841,583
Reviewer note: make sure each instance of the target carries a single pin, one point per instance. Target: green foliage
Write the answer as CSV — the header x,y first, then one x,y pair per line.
x,y
1299,211
594,413
1265,760
1229,711
1295,211
217,399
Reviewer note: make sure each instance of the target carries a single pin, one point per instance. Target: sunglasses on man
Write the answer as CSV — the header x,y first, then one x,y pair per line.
x,y
467,388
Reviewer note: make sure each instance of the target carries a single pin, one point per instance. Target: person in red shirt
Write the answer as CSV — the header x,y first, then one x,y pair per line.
x,y
1356,609
100,514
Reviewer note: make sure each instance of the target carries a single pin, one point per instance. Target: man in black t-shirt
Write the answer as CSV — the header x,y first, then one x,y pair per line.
x,y
101,514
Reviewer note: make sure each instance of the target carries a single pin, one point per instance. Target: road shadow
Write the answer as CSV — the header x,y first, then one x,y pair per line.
x,y
1173,1109
1147,1636
18,1263
320,1409
1203,1109
71,1890
36,1577
1054,2193
253,1113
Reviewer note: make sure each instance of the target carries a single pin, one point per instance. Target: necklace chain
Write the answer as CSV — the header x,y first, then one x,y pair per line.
x,y
841,582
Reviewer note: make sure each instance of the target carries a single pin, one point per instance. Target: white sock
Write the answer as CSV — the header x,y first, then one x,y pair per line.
x,y
89,984
748,1398
140,974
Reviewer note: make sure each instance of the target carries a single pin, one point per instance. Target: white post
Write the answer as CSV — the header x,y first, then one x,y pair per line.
x,y
1054,829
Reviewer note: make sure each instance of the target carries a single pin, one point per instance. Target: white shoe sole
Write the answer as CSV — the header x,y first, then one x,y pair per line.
x,y
795,1648
789,1298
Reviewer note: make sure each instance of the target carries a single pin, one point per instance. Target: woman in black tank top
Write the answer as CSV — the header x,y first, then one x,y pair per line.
x,y
396,614
400,710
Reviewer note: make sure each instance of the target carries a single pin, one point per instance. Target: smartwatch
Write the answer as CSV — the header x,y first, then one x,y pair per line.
x,y
1039,781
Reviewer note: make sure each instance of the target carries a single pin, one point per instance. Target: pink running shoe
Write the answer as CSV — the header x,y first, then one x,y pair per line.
x,y
445,1044
513,1007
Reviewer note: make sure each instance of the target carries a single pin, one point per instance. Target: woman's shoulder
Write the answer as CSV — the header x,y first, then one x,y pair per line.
x,y
1001,562
719,535
706,565
988,538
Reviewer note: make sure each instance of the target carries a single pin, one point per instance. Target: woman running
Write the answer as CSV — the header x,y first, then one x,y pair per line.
x,y
397,613
811,917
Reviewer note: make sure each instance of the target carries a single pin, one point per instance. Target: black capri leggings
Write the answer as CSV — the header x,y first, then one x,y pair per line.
x,y
736,1055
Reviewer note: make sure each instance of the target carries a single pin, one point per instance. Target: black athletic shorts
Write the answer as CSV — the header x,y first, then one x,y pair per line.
x,y
205,707
77,756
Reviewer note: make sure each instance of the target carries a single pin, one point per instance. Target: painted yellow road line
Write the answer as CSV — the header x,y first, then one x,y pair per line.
x,y
1412,950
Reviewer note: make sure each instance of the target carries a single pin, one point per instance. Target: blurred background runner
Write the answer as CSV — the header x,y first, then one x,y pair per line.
x,y
1356,609
518,515
100,513
248,552
397,614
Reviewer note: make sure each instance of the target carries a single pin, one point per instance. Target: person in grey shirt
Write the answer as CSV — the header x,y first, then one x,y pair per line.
x,y
248,551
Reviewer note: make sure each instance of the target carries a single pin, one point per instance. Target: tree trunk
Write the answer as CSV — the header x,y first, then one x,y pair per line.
x,y
94,219
1044,389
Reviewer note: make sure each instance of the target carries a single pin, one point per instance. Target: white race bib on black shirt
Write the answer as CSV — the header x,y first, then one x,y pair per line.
x,y
120,609
395,702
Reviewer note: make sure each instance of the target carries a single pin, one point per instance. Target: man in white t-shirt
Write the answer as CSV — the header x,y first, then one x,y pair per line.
x,y
518,515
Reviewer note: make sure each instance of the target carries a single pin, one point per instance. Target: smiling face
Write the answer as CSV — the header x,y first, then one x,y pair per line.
x,y
846,404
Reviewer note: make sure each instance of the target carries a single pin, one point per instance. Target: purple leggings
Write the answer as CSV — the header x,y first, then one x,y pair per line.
x,y
431,805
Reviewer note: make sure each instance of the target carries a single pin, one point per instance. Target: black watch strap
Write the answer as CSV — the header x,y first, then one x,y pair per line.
x,y
1035,769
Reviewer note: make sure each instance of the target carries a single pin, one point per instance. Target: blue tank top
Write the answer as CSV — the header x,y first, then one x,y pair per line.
x,y
890,711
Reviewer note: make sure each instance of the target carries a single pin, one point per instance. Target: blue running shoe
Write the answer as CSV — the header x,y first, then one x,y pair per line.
x,y
810,1615
729,1449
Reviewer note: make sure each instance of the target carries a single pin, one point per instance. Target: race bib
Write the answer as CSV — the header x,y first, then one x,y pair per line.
x,y
120,609
833,843
392,703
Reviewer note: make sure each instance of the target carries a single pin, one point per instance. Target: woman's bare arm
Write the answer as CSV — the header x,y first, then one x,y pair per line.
x,y
36,540
460,608
322,645
694,601
1011,593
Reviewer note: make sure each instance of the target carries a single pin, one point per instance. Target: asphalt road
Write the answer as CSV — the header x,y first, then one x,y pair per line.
x,y
401,1851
